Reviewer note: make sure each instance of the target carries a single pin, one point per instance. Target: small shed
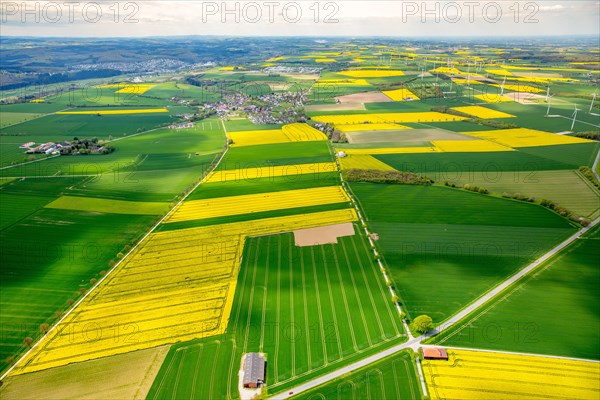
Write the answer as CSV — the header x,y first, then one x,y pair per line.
x,y
254,370
435,353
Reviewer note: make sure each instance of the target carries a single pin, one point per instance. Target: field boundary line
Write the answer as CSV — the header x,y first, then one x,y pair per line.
x,y
517,353
414,343
121,261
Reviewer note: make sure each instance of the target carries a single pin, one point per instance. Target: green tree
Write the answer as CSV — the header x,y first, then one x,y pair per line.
x,y
423,323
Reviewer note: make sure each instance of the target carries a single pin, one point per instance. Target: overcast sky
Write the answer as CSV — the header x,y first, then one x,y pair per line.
x,y
291,18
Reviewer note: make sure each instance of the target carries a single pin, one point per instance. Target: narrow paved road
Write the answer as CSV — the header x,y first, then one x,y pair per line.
x,y
416,342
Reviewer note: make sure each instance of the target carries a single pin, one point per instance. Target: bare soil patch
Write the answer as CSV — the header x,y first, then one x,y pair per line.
x,y
323,234
367,97
335,107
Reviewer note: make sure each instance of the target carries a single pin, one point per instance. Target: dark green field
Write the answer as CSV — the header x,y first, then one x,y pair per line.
x,y
391,378
311,309
444,247
276,154
555,310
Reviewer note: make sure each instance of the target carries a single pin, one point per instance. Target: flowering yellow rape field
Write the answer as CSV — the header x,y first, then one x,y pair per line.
x,y
461,81
490,375
296,132
342,82
493,98
522,137
114,112
370,127
371,73
274,171
437,146
502,72
364,161
253,203
131,88
349,119
325,60
401,95
520,88
177,286
482,112
446,70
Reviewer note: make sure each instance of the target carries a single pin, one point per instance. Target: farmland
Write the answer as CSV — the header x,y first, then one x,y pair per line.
x,y
337,204
335,279
426,245
392,378
547,326
471,375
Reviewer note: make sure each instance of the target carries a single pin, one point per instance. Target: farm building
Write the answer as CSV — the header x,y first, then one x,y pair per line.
x,y
434,353
254,370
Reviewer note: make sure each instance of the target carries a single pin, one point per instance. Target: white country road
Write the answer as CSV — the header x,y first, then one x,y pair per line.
x,y
416,342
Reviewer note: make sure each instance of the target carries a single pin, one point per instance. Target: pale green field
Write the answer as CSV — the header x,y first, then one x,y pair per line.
x,y
108,206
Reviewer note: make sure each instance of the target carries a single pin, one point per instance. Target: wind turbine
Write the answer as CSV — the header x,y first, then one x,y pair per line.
x,y
548,93
549,101
593,99
502,88
574,117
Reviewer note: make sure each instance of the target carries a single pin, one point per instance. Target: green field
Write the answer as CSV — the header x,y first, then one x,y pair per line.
x,y
444,247
276,154
243,124
391,378
59,232
567,188
311,309
555,310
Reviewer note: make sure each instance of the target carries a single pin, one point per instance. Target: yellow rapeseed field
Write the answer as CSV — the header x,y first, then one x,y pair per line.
x,y
468,146
522,137
370,127
482,112
114,112
401,95
177,286
342,82
364,161
490,375
502,72
446,70
325,60
248,174
127,87
371,73
350,119
261,202
493,98
520,88
462,81
296,132
299,132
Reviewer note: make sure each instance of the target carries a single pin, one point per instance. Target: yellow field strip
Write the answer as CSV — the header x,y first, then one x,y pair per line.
x,y
482,112
477,375
114,112
177,286
522,137
248,174
253,203
296,132
401,95
493,98
438,146
349,119
371,73
364,161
